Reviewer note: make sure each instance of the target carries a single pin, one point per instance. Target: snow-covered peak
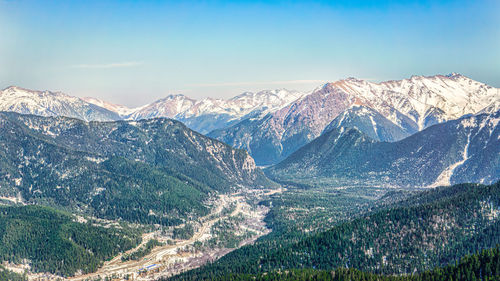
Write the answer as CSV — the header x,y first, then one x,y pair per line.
x,y
32,94
169,107
207,113
120,109
453,95
455,75
47,103
268,98
182,107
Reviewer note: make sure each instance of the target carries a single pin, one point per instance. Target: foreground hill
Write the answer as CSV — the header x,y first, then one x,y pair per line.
x,y
148,171
484,265
54,242
463,150
431,229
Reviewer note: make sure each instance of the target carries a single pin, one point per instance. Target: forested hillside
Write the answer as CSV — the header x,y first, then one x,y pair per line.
x,y
152,171
457,151
7,275
481,266
441,226
52,241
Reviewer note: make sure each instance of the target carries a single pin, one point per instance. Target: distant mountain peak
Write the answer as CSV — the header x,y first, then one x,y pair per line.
x,y
47,103
354,79
175,96
118,108
454,75
12,87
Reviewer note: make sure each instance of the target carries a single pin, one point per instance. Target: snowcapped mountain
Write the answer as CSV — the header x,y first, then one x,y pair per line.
x,y
456,151
169,107
271,137
405,106
117,108
46,103
209,114
201,115
426,100
265,101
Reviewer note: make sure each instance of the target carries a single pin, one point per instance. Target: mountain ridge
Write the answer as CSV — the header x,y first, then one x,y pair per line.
x,y
412,104
201,115
120,169
457,151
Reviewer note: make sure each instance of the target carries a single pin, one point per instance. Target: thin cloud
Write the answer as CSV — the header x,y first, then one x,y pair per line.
x,y
260,83
109,65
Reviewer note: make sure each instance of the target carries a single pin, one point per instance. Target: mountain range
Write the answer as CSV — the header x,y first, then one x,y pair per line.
x,y
200,115
209,114
271,125
46,103
393,110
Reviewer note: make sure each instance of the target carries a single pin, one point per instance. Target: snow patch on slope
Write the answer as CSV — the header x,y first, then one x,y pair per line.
x,y
445,176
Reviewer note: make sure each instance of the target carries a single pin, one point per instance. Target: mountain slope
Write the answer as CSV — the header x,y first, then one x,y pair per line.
x,y
371,123
277,134
463,150
411,104
407,239
425,100
484,265
54,242
47,103
151,171
121,110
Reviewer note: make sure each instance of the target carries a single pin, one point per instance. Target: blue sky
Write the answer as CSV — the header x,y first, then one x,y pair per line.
x,y
133,52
